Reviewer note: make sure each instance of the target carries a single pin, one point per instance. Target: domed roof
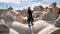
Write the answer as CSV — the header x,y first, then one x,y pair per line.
x,y
12,31
48,30
52,29
48,16
56,31
24,28
5,29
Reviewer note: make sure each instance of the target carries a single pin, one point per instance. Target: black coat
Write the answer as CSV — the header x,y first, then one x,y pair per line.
x,y
30,13
30,17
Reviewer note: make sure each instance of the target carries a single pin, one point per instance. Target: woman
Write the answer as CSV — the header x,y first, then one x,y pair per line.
x,y
30,18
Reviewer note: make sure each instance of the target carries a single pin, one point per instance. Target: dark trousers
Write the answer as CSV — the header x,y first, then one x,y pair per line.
x,y
30,20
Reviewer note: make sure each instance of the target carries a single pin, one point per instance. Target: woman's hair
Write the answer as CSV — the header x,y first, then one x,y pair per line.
x,y
28,8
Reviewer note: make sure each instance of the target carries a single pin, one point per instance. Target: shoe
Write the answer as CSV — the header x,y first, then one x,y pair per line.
x,y
29,25
32,24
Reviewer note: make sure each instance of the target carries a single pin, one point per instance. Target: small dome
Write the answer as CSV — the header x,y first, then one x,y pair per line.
x,y
56,31
3,27
48,16
24,28
49,30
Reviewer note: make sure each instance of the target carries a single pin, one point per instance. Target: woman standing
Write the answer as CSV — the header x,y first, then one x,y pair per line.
x,y
30,17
